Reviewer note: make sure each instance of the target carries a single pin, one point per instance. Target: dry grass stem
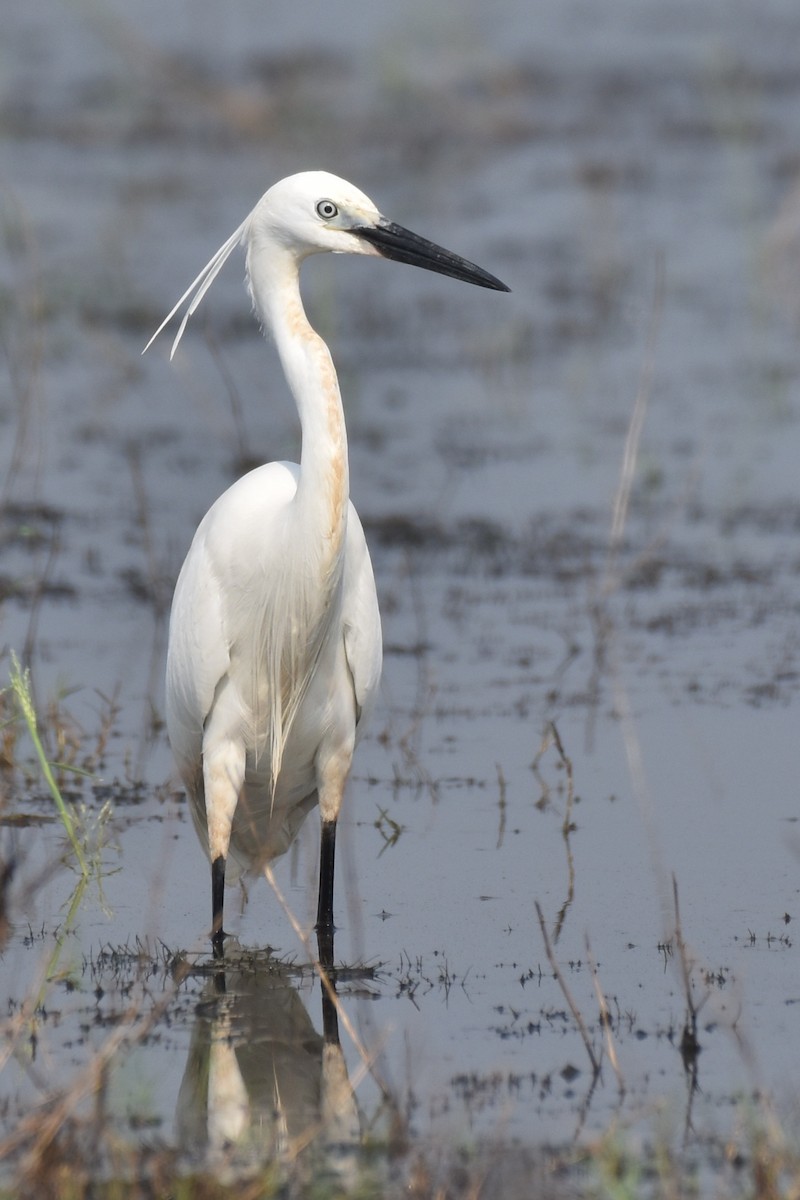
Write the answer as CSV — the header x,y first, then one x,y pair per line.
x,y
635,427
605,1020
24,353
367,1059
553,738
42,1126
562,983
501,805
243,452
599,611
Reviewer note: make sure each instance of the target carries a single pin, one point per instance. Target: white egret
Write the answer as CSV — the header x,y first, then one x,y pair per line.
x,y
275,643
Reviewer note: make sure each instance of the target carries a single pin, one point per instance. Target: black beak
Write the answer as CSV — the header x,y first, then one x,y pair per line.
x,y
395,242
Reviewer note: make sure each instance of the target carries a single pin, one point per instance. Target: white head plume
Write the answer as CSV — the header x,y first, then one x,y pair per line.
x,y
198,288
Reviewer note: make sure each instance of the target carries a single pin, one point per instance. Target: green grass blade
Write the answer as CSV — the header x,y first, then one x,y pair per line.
x,y
21,686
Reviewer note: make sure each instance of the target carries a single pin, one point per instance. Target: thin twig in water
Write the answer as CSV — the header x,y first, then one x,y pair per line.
x,y
576,1013
410,741
682,953
159,596
235,400
635,427
501,804
605,1020
157,593
40,590
553,737
566,827
598,608
37,1131
689,1047
367,1059
24,358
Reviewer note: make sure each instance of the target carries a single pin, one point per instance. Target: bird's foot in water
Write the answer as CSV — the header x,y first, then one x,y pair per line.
x,y
217,943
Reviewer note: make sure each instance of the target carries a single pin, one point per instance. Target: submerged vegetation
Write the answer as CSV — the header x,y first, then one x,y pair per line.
x,y
238,1130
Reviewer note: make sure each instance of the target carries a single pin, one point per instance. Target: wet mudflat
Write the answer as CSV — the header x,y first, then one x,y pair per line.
x,y
582,506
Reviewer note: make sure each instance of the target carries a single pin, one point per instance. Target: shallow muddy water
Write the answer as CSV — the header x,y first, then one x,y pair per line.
x,y
630,170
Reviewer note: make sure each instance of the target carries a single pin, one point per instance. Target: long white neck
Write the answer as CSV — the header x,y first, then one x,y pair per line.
x,y
298,628
324,487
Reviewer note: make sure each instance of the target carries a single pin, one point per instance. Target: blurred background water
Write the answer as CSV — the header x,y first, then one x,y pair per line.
x,y
630,169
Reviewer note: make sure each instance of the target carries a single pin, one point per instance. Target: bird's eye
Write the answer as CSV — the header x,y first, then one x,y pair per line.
x,y
327,210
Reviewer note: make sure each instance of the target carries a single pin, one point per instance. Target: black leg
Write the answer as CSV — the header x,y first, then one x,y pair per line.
x,y
325,946
330,1018
325,926
217,899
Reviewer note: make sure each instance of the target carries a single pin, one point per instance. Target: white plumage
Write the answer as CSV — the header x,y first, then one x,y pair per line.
x,y
247,597
274,651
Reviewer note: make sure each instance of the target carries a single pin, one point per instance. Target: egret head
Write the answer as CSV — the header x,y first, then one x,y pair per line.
x,y
310,213
313,212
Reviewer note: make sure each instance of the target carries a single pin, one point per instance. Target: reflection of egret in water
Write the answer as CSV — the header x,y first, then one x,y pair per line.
x,y
260,1083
